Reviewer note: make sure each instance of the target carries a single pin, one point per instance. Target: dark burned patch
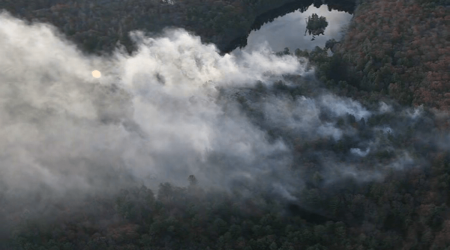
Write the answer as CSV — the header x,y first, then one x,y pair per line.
x,y
309,216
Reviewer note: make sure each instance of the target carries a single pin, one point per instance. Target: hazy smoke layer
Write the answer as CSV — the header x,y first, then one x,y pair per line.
x,y
174,108
151,117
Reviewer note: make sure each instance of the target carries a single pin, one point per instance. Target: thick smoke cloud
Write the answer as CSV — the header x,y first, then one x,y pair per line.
x,y
175,108
151,117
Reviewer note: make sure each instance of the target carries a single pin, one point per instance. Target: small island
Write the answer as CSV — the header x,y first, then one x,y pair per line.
x,y
316,25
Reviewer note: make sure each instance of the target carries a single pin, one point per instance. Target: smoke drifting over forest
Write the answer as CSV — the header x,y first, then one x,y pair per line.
x,y
153,114
175,108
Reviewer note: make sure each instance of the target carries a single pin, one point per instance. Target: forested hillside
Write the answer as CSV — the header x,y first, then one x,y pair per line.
x,y
383,184
401,49
370,172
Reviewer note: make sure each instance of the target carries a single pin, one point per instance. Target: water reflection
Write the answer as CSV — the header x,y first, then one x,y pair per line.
x,y
289,30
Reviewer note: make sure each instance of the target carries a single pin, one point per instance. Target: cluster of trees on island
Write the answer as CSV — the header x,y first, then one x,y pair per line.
x,y
316,25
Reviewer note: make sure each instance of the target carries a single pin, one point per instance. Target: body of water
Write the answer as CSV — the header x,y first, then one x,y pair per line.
x,y
289,30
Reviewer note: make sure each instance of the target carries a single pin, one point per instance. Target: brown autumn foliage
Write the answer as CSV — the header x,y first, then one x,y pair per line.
x,y
402,48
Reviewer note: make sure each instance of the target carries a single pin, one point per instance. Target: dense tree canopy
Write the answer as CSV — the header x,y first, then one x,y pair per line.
x,y
401,48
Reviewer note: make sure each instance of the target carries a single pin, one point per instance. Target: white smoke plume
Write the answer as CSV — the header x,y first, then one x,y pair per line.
x,y
149,117
71,122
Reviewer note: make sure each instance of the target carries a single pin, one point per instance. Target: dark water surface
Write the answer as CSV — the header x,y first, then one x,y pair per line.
x,y
289,30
